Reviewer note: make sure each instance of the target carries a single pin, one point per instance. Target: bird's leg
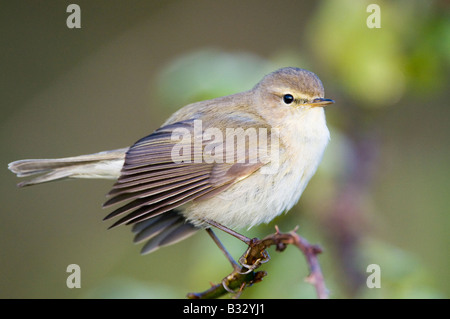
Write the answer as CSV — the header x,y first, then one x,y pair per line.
x,y
234,264
255,255
229,231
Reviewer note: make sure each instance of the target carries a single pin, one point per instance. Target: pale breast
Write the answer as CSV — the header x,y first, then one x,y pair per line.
x,y
262,196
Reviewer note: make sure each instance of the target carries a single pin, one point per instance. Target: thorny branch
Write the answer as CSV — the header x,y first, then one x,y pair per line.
x,y
256,254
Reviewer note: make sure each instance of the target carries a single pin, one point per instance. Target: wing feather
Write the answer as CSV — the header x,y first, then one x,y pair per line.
x,y
154,183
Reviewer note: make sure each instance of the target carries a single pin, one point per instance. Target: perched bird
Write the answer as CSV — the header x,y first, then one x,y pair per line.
x,y
231,162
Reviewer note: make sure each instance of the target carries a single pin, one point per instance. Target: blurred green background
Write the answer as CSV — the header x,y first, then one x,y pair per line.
x,y
379,197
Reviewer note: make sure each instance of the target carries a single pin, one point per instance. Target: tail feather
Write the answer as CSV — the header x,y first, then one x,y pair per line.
x,y
106,164
159,231
163,230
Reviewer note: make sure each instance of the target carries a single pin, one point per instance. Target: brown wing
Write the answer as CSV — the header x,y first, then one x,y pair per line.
x,y
153,182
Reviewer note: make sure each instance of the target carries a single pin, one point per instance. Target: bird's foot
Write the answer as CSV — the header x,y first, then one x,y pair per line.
x,y
255,255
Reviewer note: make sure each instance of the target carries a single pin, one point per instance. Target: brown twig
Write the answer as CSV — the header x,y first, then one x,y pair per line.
x,y
256,255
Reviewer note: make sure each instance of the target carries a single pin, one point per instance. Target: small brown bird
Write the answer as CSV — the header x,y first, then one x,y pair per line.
x,y
209,163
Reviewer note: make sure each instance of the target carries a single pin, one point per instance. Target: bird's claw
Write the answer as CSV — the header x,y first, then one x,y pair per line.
x,y
263,259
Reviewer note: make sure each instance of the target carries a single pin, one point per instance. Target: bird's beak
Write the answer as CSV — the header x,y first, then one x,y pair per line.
x,y
320,102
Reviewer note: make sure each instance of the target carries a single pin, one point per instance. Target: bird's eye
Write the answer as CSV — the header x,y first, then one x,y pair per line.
x,y
288,98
